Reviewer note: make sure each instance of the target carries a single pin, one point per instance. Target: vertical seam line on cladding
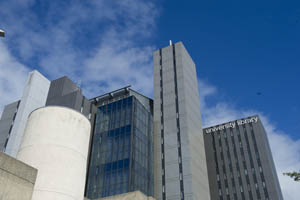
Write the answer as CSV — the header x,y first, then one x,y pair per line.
x,y
162,128
178,125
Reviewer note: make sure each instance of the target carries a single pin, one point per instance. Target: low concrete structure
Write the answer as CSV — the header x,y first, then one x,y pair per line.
x,y
16,179
129,196
56,142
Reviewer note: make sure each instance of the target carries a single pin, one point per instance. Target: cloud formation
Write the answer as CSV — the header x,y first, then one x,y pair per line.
x,y
101,44
12,77
285,150
106,45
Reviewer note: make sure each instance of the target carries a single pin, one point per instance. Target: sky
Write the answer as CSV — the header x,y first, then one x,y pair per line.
x,y
246,53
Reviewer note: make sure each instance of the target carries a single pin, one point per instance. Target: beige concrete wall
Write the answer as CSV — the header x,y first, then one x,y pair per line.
x,y
16,179
56,143
129,196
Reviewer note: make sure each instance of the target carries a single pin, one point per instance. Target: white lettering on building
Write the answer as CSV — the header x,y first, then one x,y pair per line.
x,y
232,124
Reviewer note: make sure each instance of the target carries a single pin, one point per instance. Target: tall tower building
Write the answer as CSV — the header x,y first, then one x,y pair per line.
x,y
14,116
239,161
180,170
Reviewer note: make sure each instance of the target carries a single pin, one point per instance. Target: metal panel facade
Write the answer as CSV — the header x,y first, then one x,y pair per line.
x,y
239,160
6,123
64,92
180,163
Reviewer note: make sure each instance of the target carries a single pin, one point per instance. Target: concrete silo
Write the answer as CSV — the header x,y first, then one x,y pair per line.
x,y
56,142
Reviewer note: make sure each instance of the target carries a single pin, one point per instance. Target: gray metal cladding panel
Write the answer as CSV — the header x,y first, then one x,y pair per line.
x,y
4,127
69,86
6,121
2,147
178,133
71,100
211,166
64,92
86,106
78,100
5,124
56,88
61,87
267,161
240,157
3,135
9,110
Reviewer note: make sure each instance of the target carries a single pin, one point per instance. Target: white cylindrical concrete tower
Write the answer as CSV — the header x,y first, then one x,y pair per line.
x,y
56,142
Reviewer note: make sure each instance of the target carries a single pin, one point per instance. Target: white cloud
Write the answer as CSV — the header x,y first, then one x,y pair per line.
x,y
12,77
117,63
102,44
285,150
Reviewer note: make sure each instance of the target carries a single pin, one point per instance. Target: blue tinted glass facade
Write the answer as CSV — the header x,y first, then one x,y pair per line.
x,y
122,150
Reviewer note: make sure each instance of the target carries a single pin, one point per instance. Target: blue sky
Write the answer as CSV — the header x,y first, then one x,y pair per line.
x,y
243,48
247,55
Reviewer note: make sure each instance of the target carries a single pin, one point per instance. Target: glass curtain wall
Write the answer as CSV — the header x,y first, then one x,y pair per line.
x,y
122,150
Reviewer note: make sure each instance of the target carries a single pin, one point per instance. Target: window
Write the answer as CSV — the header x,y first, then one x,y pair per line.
x,y
113,133
10,128
6,141
250,195
235,196
258,194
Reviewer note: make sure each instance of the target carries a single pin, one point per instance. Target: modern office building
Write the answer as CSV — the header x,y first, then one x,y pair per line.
x,y
6,123
131,125
14,116
136,144
64,92
121,158
239,161
180,161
